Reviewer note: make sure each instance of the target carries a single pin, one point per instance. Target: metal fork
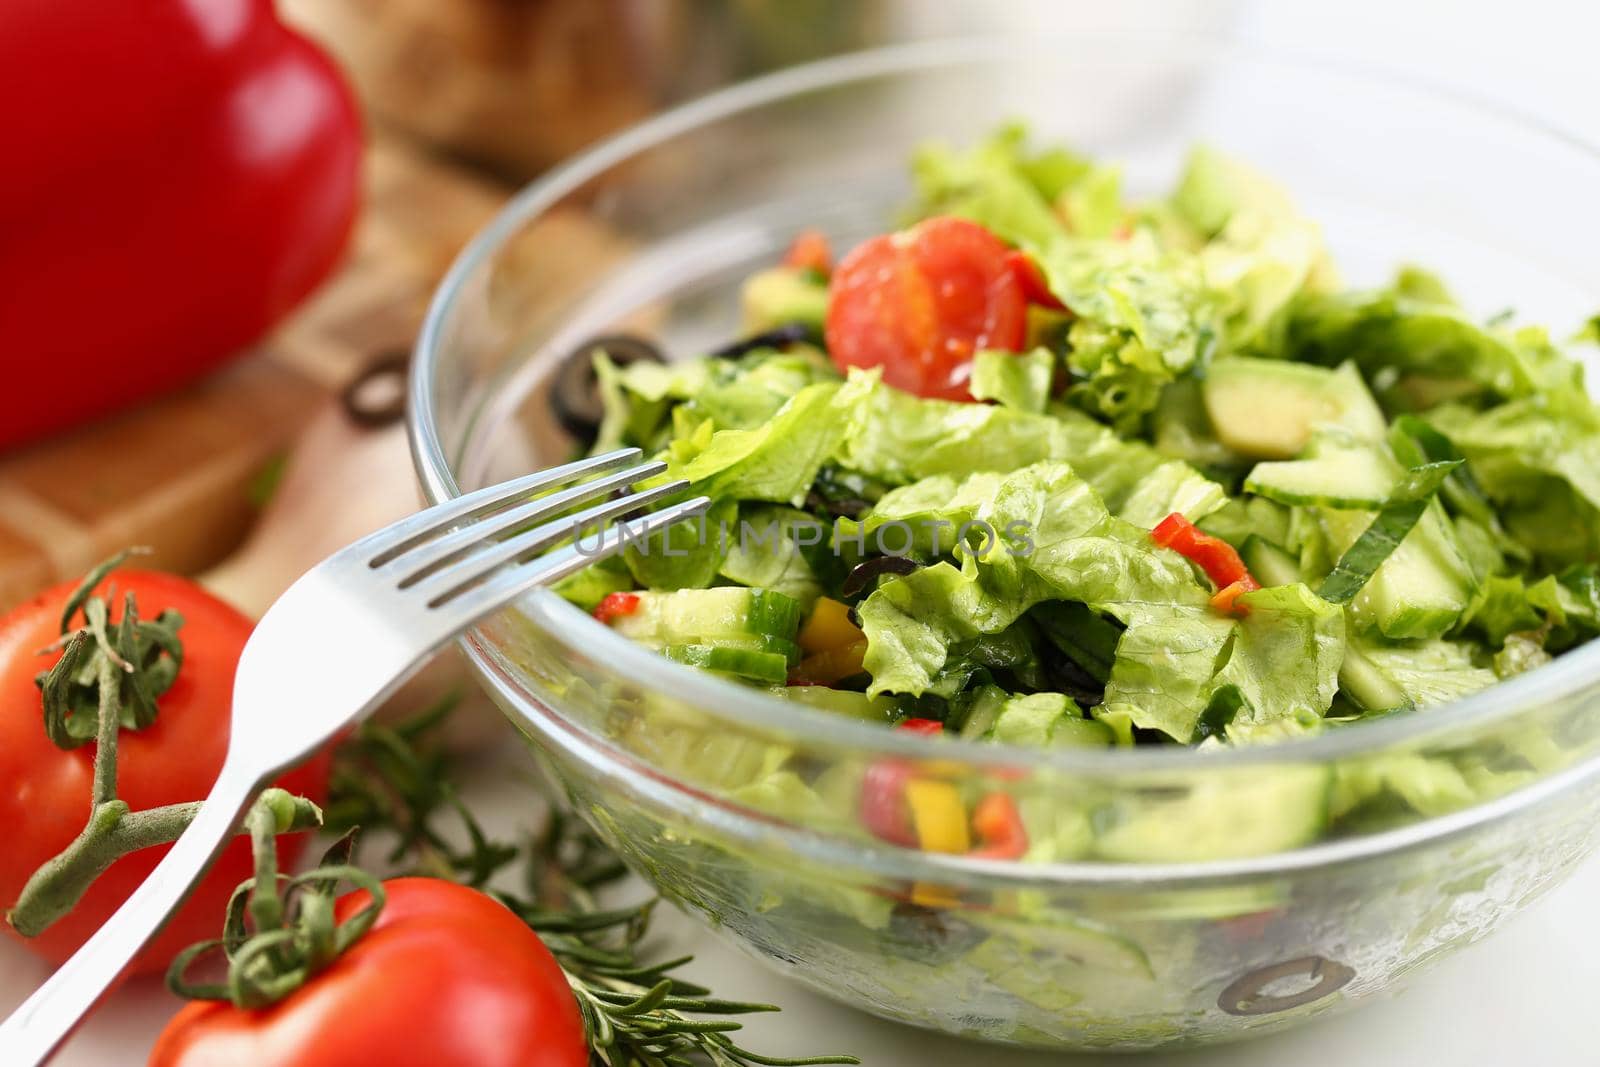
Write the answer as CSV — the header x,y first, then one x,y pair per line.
x,y
356,626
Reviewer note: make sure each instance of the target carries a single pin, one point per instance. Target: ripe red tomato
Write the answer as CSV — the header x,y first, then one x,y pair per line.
x,y
45,791
922,302
447,977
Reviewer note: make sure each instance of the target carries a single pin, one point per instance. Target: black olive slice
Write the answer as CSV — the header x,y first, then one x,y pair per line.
x,y
575,394
862,574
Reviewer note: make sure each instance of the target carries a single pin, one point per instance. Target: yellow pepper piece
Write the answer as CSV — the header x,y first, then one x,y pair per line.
x,y
832,665
928,895
829,627
938,816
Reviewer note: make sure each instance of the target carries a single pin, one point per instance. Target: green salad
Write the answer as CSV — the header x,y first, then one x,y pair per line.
x,y
1052,465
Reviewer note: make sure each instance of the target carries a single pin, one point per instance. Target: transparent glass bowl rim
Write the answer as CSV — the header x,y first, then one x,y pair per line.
x,y
578,632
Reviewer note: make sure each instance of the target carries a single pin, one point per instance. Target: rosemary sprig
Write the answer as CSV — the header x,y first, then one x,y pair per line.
x,y
394,780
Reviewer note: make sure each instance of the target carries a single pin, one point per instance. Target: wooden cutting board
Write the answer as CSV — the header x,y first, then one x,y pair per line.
x,y
186,473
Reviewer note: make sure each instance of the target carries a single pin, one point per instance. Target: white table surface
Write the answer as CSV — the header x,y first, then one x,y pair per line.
x,y
1526,995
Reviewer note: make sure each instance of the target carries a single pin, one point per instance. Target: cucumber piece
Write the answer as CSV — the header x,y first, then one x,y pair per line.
x,y
1424,585
846,702
1339,471
1269,408
779,296
1269,564
1249,813
790,651
691,616
742,662
983,708
1364,681
1403,510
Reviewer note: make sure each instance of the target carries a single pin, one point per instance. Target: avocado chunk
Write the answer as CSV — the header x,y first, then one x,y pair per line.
x,y
783,295
1269,408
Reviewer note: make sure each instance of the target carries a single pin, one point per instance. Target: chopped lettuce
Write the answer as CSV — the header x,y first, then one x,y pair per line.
x,y
1175,653
1539,462
1422,351
1018,380
776,461
1143,319
1038,610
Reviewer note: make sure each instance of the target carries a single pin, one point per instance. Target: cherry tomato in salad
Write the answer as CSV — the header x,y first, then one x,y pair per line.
x,y
921,303
446,977
1035,287
45,791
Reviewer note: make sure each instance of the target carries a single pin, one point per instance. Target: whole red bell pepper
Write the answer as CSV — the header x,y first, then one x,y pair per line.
x,y
177,175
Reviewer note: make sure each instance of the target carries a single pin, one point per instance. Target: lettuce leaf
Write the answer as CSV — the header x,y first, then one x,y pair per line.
x,y
771,556
1175,654
776,461
899,439
1539,462
1018,380
1259,253
1028,198
1430,351
1143,318
1430,672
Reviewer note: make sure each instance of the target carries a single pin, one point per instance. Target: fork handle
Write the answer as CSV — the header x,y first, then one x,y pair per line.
x,y
44,1021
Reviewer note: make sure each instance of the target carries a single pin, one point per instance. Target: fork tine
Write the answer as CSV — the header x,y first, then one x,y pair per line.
x,y
405,535
472,604
439,585
412,566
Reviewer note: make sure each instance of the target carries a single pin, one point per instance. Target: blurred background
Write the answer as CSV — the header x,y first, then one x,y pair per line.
x,y
468,99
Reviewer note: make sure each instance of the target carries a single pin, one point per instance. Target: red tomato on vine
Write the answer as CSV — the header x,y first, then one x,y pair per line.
x,y
45,790
446,977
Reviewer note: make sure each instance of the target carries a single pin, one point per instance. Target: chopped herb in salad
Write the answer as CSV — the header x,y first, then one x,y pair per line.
x,y
1052,465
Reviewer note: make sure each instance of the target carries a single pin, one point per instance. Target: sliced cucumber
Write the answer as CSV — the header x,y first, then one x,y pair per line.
x,y
782,295
1365,682
1269,408
983,708
691,616
1249,813
1424,585
844,702
1339,471
1269,564
741,662
1404,508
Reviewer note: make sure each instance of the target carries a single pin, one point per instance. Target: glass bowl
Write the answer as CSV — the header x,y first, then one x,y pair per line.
x,y
1171,897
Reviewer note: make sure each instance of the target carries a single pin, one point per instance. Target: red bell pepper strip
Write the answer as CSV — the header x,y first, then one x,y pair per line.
x,y
998,825
614,604
182,175
1035,289
1226,599
1213,555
